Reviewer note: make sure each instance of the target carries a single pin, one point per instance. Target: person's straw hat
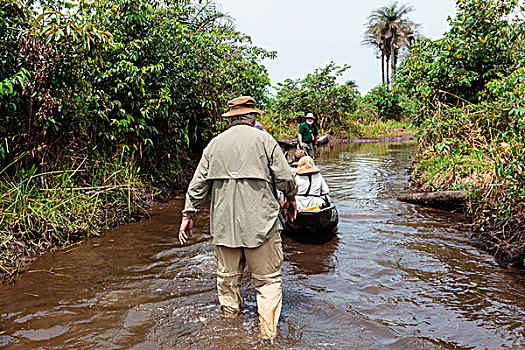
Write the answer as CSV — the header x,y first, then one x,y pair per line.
x,y
306,170
242,105
306,166
311,116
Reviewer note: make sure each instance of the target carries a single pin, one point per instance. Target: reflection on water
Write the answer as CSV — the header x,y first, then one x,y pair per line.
x,y
310,259
397,276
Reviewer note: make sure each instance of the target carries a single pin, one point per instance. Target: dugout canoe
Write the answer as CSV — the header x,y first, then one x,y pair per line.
x,y
313,226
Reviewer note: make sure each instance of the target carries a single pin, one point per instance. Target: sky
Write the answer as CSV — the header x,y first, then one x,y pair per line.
x,y
308,34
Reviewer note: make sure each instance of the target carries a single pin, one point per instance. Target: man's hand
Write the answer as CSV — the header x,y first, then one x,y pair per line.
x,y
185,226
315,147
290,208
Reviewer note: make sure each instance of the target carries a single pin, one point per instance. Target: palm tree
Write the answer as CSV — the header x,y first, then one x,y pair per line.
x,y
205,15
388,31
374,38
352,84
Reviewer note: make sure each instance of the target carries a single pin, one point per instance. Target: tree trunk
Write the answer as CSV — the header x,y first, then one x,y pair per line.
x,y
387,70
383,67
448,200
393,64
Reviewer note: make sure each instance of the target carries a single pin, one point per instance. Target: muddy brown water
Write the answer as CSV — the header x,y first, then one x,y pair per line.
x,y
398,276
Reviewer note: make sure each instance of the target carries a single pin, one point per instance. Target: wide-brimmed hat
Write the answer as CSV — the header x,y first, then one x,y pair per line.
x,y
242,105
306,166
307,170
310,115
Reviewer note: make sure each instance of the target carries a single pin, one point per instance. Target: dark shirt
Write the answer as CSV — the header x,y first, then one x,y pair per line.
x,y
308,132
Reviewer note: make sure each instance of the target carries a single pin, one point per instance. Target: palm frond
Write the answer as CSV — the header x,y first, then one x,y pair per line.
x,y
207,15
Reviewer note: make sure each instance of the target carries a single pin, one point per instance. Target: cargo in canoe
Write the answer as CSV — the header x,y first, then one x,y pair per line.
x,y
313,226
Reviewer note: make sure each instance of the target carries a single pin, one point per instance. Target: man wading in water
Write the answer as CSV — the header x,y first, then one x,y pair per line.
x,y
308,135
241,168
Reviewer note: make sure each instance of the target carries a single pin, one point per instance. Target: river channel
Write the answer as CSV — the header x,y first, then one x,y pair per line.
x,y
397,276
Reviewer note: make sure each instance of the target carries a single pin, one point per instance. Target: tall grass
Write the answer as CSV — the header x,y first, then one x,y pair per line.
x,y
41,211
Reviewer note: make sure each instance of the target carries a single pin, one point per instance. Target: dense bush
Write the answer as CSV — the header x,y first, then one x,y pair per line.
x,y
469,88
320,94
90,84
484,42
340,108
387,102
137,80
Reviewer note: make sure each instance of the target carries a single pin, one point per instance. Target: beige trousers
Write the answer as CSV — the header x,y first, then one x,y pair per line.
x,y
265,264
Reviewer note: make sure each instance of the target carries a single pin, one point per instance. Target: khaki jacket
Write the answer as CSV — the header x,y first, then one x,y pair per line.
x,y
240,168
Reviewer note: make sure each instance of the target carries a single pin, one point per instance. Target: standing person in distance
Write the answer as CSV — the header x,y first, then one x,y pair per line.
x,y
308,135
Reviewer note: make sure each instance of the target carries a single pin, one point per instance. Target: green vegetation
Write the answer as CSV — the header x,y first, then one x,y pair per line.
x,y
41,211
318,93
340,108
101,100
470,110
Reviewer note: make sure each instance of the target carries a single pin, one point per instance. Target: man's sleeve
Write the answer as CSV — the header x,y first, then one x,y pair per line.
x,y
281,172
199,187
316,131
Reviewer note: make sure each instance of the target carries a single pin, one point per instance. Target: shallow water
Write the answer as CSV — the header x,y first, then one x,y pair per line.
x,y
398,276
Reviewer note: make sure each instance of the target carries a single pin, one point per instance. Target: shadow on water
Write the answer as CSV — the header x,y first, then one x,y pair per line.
x,y
397,276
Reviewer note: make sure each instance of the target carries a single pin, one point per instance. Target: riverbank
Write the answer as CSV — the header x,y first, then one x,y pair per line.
x,y
44,212
465,92
493,202
48,211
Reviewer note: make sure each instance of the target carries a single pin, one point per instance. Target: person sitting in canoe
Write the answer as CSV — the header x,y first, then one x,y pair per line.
x,y
296,157
313,191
